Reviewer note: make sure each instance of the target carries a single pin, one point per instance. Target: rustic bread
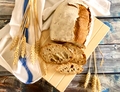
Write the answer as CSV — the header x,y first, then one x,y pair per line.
x,y
55,53
78,54
69,68
70,23
63,53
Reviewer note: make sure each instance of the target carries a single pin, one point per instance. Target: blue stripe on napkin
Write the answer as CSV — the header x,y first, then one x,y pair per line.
x,y
30,76
26,29
26,34
25,5
23,60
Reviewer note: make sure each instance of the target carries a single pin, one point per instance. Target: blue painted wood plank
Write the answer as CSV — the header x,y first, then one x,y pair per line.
x,y
113,36
115,6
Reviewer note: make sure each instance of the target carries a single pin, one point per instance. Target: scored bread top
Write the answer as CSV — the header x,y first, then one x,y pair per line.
x,y
63,22
70,23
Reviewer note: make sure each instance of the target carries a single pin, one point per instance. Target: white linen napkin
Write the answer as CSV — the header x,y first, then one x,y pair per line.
x,y
26,72
97,7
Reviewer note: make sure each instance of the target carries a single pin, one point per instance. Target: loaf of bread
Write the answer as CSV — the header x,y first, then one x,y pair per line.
x,y
70,23
69,68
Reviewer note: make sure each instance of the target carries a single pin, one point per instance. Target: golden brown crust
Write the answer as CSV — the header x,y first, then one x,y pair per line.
x,y
82,25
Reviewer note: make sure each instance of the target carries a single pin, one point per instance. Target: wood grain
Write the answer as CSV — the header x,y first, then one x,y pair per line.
x,y
112,36
111,63
114,10
6,7
11,84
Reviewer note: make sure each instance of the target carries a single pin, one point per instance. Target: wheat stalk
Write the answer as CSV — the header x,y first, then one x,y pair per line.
x,y
16,55
14,42
102,61
28,19
23,47
33,54
94,83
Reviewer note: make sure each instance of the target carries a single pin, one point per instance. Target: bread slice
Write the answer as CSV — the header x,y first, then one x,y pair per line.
x,y
55,53
69,68
78,54
70,23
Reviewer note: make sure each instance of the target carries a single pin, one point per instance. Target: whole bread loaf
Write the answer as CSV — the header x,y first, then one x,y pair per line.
x,y
70,23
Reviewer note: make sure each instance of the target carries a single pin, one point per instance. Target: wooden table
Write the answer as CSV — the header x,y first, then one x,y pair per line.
x,y
109,73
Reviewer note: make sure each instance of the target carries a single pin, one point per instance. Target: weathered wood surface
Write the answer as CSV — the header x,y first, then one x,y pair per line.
x,y
113,36
110,47
111,63
6,7
114,10
11,84
110,83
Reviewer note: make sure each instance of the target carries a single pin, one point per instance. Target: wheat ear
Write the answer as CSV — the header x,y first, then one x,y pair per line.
x,y
33,54
14,42
16,55
99,85
23,47
94,82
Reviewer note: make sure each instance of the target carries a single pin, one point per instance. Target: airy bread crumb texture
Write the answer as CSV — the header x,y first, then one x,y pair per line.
x,y
69,68
55,53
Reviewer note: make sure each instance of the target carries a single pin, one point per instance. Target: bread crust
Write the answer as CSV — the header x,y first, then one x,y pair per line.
x,y
70,23
82,25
